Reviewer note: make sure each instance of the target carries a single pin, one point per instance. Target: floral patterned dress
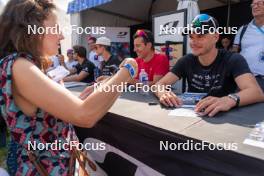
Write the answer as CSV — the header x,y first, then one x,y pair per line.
x,y
33,131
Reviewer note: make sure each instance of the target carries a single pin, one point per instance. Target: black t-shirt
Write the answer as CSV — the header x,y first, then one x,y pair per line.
x,y
217,79
88,67
111,66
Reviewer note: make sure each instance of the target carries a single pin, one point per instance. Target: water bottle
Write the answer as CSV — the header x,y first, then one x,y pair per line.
x,y
96,73
143,78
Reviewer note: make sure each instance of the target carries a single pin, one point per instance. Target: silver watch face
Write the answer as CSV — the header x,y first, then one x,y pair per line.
x,y
233,97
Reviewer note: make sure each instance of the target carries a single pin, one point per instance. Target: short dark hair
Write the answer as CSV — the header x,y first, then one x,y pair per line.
x,y
93,39
108,48
146,35
80,51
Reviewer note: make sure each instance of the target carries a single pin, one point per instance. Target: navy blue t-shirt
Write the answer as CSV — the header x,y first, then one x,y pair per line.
x,y
86,66
217,79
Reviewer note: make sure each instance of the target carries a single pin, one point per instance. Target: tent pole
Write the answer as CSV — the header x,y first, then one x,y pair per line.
x,y
228,13
150,10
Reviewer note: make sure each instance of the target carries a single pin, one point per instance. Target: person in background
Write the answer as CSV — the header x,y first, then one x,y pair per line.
x,y
54,61
249,41
84,70
218,73
110,62
93,57
155,65
71,62
226,44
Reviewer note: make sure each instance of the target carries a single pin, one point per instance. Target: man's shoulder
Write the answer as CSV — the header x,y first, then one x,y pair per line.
x,y
114,60
139,59
77,66
87,63
91,64
186,61
187,58
230,59
228,55
160,56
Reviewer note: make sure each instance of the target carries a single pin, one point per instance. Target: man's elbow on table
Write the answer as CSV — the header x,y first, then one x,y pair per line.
x,y
261,94
250,91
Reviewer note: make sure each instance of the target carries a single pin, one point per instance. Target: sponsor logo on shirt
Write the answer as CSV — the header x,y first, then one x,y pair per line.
x,y
261,56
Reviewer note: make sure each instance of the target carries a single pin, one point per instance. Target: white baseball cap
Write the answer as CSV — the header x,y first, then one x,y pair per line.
x,y
103,41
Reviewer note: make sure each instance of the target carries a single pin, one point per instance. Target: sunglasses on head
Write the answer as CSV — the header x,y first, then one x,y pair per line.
x,y
141,33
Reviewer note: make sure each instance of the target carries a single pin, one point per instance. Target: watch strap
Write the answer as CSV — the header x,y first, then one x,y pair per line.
x,y
236,98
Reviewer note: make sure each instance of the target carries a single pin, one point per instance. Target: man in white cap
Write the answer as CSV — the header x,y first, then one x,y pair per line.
x,y
110,64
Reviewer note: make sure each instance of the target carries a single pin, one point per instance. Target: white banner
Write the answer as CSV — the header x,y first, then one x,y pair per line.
x,y
116,34
169,27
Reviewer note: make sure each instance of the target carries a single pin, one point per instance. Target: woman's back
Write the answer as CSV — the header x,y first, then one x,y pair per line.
x,y
29,132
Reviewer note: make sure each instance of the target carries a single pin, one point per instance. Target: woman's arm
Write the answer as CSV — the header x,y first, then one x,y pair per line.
x,y
39,90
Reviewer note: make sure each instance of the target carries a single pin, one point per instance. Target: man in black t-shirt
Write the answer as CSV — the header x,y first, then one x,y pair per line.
x,y
215,72
110,66
110,63
84,70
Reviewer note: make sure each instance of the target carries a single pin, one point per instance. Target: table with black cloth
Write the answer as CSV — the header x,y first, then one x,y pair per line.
x,y
134,130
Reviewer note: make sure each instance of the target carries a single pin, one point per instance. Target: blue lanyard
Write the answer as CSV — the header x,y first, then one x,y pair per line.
x,y
259,28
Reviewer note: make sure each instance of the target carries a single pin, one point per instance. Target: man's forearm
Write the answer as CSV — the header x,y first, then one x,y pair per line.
x,y
71,78
158,92
250,95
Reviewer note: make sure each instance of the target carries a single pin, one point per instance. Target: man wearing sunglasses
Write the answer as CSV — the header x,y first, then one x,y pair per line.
x,y
250,40
215,72
156,65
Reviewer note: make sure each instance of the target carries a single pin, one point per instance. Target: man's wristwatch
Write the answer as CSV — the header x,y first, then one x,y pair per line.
x,y
236,98
130,69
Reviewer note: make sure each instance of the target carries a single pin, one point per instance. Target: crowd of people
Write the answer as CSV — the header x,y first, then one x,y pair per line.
x,y
31,103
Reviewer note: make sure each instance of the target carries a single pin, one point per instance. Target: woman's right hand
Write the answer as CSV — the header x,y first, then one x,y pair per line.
x,y
132,62
86,92
102,78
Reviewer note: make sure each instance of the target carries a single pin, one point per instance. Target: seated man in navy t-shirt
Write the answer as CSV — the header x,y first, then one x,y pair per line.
x,y
84,70
209,70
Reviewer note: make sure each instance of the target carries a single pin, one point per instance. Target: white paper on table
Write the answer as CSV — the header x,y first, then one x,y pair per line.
x,y
183,112
58,73
256,136
254,143
188,106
